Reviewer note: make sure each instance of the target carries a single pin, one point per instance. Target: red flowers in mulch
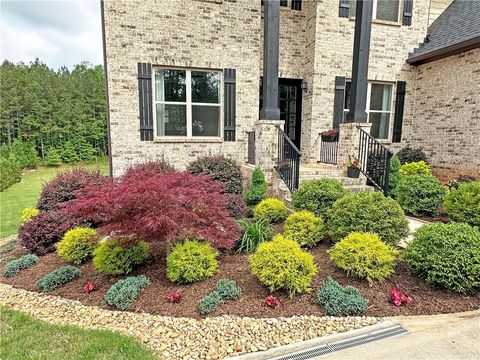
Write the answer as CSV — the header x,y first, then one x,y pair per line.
x,y
174,297
271,301
89,287
399,298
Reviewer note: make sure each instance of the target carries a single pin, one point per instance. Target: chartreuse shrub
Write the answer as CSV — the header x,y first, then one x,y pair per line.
x,y
364,255
118,256
192,261
446,255
270,210
463,204
415,168
282,264
367,212
339,300
228,289
318,196
420,194
254,233
28,214
123,293
58,278
304,228
257,189
77,245
15,266
210,303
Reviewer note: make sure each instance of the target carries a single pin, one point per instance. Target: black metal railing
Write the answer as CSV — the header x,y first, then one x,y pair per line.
x,y
251,147
375,161
288,163
329,150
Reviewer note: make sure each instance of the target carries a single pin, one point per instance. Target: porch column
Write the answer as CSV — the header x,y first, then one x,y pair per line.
x,y
361,50
266,132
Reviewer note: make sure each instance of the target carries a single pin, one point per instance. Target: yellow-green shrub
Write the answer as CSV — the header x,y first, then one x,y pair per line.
x,y
364,255
282,264
118,256
28,214
304,228
415,168
77,245
270,210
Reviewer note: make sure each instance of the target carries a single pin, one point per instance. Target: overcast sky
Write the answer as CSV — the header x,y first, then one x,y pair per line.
x,y
57,32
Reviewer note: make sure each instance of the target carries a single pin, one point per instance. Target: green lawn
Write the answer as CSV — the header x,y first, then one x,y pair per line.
x,y
25,194
25,338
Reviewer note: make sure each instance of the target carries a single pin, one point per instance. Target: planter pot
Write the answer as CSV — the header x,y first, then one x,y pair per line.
x,y
353,172
329,138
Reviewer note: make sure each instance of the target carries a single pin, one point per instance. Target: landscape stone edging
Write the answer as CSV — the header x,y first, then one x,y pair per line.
x,y
182,338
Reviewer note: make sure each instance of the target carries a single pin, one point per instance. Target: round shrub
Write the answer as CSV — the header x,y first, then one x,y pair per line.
x,y
409,155
304,228
219,168
270,210
28,214
446,255
340,300
282,264
367,212
415,168
463,204
364,255
118,256
192,261
77,245
318,196
420,194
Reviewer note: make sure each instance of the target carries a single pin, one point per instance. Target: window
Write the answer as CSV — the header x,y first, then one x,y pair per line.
x,y
187,103
294,4
382,9
379,105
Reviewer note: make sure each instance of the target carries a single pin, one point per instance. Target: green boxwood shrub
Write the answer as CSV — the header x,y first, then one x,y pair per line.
x,y
57,278
228,289
123,293
118,256
364,255
210,303
14,267
420,194
318,196
192,261
254,233
415,168
367,212
339,300
446,255
257,189
304,228
463,204
77,245
270,210
282,264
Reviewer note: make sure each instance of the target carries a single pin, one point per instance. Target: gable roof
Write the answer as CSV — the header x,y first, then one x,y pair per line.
x,y
457,29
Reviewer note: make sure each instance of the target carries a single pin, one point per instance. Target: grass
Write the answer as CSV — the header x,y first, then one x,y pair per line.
x,y
26,338
25,194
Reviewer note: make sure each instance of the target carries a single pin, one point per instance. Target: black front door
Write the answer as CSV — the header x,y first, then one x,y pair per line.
x,y
290,104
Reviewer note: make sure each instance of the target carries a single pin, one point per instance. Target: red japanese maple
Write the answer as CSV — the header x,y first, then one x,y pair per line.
x,y
399,298
158,207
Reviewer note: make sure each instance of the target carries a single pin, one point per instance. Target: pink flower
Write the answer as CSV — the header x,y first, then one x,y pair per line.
x,y
399,298
89,287
271,301
174,297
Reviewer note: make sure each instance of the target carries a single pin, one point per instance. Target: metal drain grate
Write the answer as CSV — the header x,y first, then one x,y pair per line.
x,y
345,344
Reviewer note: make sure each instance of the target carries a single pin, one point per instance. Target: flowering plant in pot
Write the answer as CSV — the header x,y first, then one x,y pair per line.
x,y
329,135
353,167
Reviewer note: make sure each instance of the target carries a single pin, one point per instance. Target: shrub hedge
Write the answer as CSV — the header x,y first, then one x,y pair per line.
x,y
57,278
339,300
124,293
270,210
118,256
14,267
463,204
304,228
77,245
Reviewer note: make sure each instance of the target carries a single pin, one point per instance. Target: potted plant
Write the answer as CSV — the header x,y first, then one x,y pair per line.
x,y
329,135
353,167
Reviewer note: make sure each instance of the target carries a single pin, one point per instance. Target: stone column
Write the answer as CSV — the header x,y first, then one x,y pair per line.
x,y
266,146
349,140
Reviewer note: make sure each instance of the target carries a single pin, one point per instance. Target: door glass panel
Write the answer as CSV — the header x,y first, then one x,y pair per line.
x,y
293,92
283,92
171,120
293,106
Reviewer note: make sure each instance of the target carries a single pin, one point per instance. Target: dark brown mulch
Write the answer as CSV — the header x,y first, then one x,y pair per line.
x,y
235,266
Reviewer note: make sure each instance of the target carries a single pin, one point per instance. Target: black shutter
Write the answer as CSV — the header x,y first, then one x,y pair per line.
x,y
407,12
229,104
399,105
145,101
344,10
338,102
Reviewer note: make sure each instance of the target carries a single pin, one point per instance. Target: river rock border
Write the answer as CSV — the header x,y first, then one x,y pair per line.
x,y
182,338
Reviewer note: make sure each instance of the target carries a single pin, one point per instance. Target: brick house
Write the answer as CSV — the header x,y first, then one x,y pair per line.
x,y
184,79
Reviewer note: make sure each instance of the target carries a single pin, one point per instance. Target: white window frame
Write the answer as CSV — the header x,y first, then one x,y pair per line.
x,y
367,106
188,103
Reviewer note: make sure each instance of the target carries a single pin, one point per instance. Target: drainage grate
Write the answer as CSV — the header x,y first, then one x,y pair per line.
x,y
345,344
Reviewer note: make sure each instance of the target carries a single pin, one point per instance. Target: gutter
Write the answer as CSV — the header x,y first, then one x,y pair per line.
x,y
446,51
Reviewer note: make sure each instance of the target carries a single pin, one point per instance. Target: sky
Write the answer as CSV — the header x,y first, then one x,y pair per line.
x,y
57,32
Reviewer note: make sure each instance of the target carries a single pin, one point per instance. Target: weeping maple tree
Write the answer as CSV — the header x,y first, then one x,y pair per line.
x,y
158,207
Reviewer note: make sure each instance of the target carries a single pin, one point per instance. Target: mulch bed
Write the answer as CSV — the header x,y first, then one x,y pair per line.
x,y
427,301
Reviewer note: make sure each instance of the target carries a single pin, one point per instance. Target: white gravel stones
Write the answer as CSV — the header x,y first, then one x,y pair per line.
x,y
182,338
